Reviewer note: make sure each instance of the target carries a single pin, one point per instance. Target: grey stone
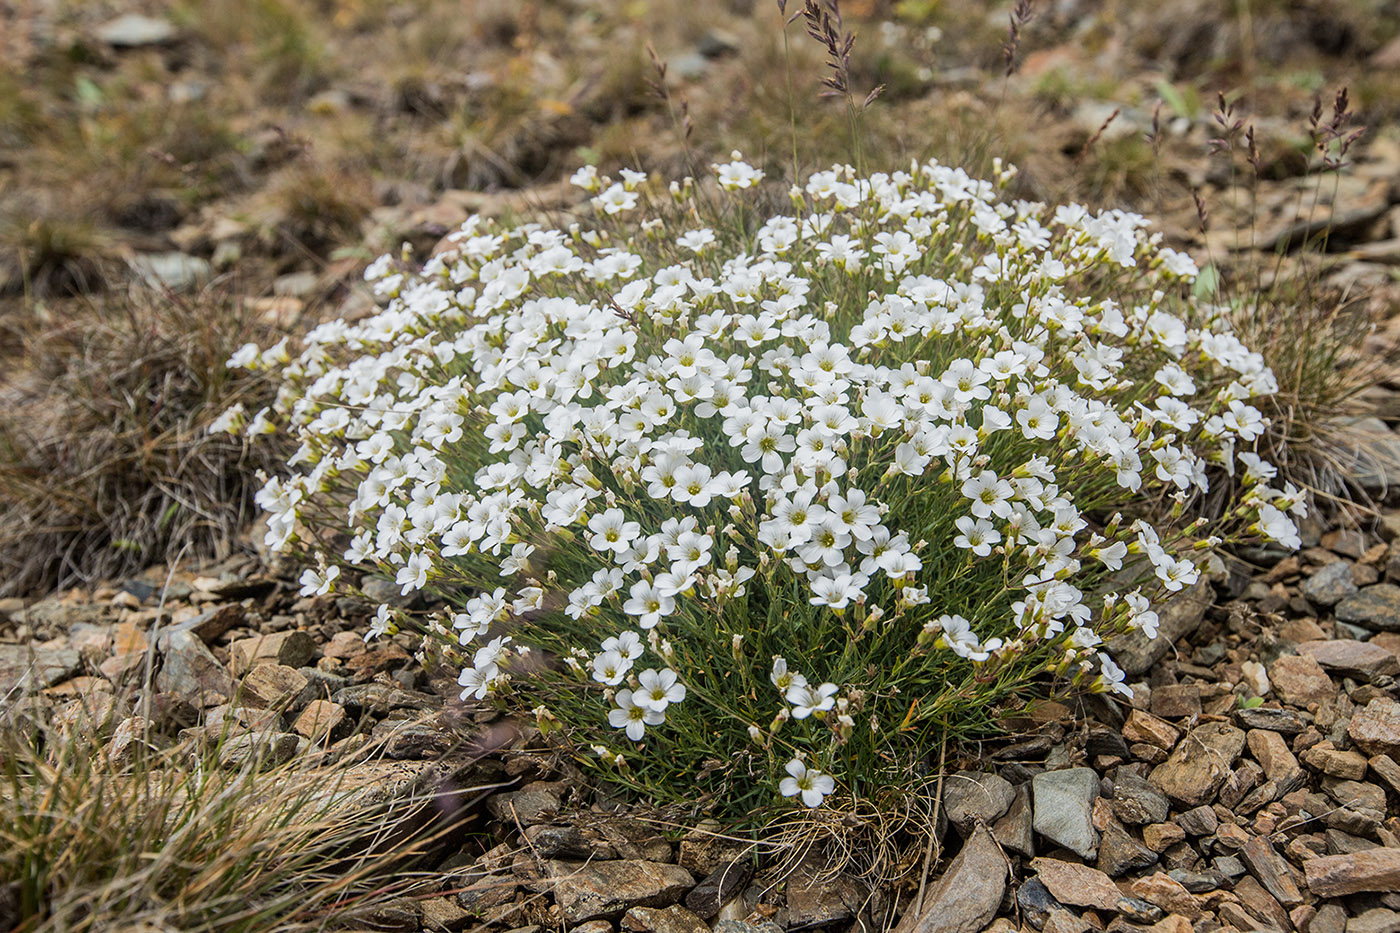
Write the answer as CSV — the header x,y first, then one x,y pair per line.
x,y
1036,902
1075,884
1120,853
1271,870
718,888
1369,453
673,919
528,806
970,797
590,890
290,649
190,670
1199,764
1179,616
1014,830
1375,728
382,698
34,667
1198,821
1338,875
262,749
1359,659
565,842
1375,920
1283,721
1063,804
1329,585
1376,607
966,897
1136,802
816,897
177,272
132,30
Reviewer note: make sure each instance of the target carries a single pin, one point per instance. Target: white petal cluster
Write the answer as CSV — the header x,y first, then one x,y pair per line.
x,y
904,387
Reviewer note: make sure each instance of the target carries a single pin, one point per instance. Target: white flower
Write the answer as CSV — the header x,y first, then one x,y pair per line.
x,y
658,689
811,783
611,667
318,584
633,717
806,699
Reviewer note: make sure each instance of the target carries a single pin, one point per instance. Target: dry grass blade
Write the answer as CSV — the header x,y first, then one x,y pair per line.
x,y
106,463
169,841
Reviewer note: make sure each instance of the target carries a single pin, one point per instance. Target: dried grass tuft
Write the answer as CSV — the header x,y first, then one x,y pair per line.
x,y
106,464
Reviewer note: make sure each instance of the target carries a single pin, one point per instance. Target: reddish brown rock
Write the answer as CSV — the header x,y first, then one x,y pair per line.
x,y
1150,730
1376,728
1348,656
1337,875
1300,680
1075,884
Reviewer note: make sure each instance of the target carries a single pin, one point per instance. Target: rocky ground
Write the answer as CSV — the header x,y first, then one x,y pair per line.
x,y
1252,783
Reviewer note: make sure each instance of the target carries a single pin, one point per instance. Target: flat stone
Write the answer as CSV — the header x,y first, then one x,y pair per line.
x,y
1159,837
382,698
1176,701
970,797
1261,904
1376,607
718,888
291,649
1300,680
263,749
1326,758
1271,870
1173,891
1150,730
1375,728
33,667
528,806
1272,752
320,718
1199,764
1329,585
966,897
673,919
1375,920
1079,885
1385,768
1282,721
1198,821
132,30
592,890
128,738
1136,801
1063,806
272,686
1120,853
179,272
1178,617
442,913
1035,902
1014,830
1338,875
566,842
1330,918
190,670
1355,794
1357,658
815,897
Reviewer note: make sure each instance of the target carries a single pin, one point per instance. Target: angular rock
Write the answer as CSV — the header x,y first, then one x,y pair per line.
x,y
1198,821
1159,837
815,898
532,804
290,649
1078,885
1348,765
263,749
272,686
1261,904
566,842
1120,853
1148,729
1376,727
1358,658
1282,721
967,896
1168,894
1014,830
1179,616
1385,768
382,698
1329,585
1376,607
191,671
1375,920
1338,875
590,890
1136,801
1199,764
673,919
718,888
1300,680
1176,701
320,718
1271,870
132,30
129,737
1272,752
26,667
970,797
1063,806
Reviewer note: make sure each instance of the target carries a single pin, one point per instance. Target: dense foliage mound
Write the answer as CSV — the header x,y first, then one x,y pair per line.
x,y
757,503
